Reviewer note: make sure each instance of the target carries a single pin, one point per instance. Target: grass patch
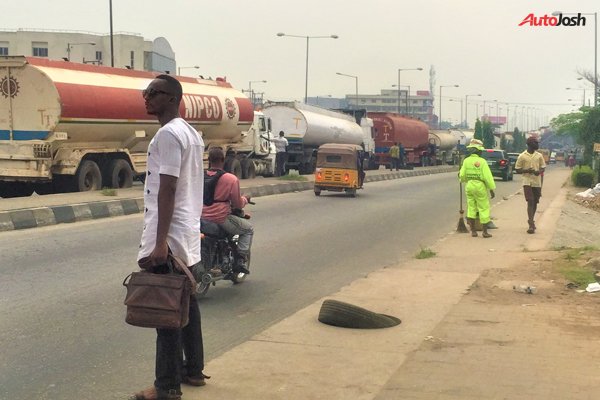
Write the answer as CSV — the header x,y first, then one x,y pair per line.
x,y
293,176
109,192
573,268
425,252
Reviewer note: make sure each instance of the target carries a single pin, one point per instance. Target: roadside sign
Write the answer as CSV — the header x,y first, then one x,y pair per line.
x,y
596,147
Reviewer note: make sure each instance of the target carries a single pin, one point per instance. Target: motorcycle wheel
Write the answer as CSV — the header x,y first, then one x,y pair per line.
x,y
241,277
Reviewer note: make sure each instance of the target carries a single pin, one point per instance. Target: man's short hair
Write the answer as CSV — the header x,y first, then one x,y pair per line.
x,y
173,85
216,154
281,133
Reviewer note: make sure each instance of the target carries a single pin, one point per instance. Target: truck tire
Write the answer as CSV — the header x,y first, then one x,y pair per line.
x,y
233,166
118,174
248,168
88,177
345,315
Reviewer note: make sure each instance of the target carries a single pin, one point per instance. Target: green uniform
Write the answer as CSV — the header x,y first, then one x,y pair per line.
x,y
478,177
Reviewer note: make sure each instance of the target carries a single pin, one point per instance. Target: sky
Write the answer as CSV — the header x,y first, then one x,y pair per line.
x,y
476,44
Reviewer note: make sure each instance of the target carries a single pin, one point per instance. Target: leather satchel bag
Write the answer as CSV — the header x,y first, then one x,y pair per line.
x,y
159,300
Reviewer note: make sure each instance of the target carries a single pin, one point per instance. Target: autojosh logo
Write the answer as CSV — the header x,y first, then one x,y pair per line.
x,y
554,20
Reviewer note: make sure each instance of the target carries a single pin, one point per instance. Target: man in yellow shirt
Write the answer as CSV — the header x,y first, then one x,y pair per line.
x,y
395,156
531,165
478,177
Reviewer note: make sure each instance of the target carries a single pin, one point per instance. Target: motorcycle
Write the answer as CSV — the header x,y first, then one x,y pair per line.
x,y
219,255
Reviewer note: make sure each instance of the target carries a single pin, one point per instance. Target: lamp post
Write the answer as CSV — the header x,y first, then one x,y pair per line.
x,y
250,89
595,14
400,70
180,68
70,45
443,86
281,34
356,88
461,108
583,102
112,48
467,107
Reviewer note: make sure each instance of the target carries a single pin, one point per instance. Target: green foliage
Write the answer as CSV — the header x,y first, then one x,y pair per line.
x,y
293,176
519,142
489,141
583,125
582,176
106,191
478,130
425,252
504,143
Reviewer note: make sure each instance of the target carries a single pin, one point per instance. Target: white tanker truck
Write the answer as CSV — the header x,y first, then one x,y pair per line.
x,y
307,127
76,127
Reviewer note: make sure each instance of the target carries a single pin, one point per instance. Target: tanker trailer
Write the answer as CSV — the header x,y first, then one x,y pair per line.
x,y
308,127
446,145
393,128
77,127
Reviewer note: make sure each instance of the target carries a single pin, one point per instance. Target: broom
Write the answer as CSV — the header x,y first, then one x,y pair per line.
x,y
461,227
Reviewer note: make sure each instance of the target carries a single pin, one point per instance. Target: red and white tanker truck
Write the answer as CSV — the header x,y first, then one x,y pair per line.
x,y
77,127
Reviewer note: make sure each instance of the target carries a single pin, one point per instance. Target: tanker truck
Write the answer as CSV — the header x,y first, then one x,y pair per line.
x,y
392,128
76,127
446,145
307,127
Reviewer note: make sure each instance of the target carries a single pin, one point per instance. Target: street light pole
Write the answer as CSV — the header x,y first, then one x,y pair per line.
x,y
356,82
281,34
461,108
583,102
467,107
440,117
250,89
400,70
180,68
112,48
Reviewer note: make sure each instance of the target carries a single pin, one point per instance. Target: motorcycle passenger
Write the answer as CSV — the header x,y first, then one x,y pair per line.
x,y
227,198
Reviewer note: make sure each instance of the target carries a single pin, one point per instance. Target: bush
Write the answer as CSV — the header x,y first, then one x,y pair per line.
x,y
583,176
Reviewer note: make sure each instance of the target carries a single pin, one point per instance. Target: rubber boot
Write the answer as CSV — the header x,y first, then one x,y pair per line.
x,y
485,231
471,223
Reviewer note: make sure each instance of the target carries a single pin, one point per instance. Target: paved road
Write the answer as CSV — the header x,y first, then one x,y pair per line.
x,y
61,308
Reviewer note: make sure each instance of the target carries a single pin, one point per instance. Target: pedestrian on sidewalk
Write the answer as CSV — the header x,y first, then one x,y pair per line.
x,y
476,173
531,165
281,144
394,153
174,183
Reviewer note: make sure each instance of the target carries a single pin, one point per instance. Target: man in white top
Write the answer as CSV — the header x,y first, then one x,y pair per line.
x,y
174,183
281,154
531,165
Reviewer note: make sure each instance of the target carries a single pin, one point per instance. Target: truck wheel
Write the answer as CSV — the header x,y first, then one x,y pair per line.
x,y
233,165
345,315
88,176
248,168
15,189
118,174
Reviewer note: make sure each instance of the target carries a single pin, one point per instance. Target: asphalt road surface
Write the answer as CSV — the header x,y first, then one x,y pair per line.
x,y
62,326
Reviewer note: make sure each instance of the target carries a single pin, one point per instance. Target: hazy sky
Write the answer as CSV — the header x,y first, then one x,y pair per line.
x,y
476,44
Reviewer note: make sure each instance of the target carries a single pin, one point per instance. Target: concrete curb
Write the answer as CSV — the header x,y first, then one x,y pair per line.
x,y
53,215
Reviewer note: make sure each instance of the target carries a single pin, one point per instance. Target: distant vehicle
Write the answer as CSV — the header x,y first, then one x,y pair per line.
x,y
552,157
513,158
499,163
545,154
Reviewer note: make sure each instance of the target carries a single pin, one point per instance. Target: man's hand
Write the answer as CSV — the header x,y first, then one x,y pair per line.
x,y
157,257
536,173
492,194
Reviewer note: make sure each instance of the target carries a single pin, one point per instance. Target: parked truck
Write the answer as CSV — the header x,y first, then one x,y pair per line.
x,y
307,127
76,127
446,146
392,128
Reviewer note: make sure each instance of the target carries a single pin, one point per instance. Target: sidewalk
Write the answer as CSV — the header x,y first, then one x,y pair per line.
x,y
37,211
449,345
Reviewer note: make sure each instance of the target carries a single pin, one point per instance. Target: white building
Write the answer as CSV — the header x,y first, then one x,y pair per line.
x,y
131,50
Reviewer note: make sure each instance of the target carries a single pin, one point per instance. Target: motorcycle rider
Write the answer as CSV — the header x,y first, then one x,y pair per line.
x,y
227,198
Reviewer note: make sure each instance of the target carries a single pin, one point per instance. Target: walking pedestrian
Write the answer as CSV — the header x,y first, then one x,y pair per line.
x,y
173,187
478,177
531,165
394,153
281,144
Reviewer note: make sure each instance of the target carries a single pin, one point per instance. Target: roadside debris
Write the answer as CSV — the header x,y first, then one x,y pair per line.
x,y
525,289
593,287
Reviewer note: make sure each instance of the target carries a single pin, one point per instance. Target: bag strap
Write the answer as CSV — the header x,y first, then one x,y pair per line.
x,y
180,265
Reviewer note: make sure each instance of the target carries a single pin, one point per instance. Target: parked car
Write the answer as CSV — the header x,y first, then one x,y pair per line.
x,y
499,163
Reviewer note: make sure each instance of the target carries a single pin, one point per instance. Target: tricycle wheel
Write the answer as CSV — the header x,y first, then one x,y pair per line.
x,y
317,192
351,192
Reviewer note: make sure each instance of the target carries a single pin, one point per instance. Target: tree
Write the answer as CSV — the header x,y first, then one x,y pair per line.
x,y
583,125
489,142
519,141
478,130
504,144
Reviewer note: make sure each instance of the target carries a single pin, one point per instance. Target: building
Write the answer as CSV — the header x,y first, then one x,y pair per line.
x,y
131,50
419,105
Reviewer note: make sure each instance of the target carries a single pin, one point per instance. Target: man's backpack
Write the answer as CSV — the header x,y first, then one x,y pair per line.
x,y
210,184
